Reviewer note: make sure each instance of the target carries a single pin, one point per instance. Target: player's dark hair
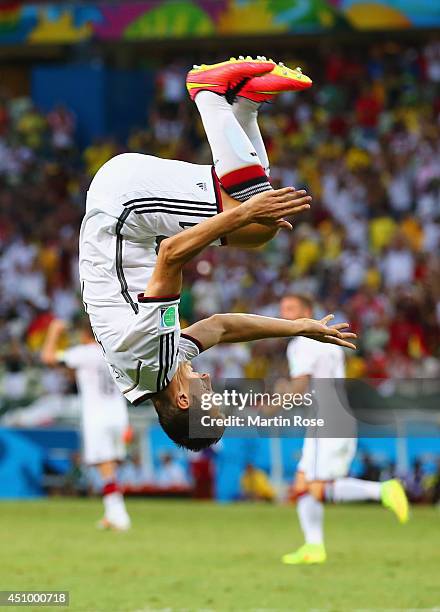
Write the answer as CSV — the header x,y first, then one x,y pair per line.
x,y
82,322
175,423
305,299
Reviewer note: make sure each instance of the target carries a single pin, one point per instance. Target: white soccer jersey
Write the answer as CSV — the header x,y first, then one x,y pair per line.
x,y
103,408
101,400
323,458
316,359
133,201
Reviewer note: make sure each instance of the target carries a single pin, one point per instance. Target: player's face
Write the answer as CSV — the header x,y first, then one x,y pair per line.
x,y
199,382
292,308
187,384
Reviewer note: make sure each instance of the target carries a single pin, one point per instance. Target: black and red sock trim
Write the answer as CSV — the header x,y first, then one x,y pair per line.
x,y
109,488
242,184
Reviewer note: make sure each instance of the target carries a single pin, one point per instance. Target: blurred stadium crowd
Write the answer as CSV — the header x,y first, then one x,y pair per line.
x,y
196,478
365,141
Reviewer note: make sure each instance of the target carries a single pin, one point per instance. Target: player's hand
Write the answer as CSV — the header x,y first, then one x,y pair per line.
x,y
333,334
270,207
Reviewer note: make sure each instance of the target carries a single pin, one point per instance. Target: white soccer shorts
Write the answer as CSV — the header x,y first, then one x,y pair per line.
x,y
103,442
326,458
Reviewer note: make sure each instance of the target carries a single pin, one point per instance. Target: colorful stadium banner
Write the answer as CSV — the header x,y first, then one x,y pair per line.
x,y
62,22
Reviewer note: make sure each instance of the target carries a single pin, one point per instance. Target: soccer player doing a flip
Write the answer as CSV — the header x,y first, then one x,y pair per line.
x,y
131,287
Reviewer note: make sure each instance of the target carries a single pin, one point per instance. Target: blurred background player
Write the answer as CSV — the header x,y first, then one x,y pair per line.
x,y
104,413
322,473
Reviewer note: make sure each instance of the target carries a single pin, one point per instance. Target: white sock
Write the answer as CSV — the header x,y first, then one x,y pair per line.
x,y
114,503
311,518
231,148
235,160
352,489
246,113
115,511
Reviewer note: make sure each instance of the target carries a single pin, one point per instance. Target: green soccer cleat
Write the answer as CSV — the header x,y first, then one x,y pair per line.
x,y
308,554
394,497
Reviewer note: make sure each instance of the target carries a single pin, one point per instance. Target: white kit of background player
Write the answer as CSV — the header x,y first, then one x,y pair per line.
x,y
104,415
322,473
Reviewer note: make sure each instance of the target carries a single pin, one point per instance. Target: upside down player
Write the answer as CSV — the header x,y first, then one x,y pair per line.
x,y
104,417
131,294
322,473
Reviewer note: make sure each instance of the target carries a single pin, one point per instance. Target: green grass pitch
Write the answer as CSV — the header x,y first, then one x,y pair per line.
x,y
202,556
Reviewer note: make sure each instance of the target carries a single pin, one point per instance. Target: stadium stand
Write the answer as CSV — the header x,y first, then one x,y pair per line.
x,y
365,142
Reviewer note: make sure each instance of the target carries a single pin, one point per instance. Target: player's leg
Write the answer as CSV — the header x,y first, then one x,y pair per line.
x,y
263,89
332,464
347,489
246,113
103,450
115,512
236,163
390,493
238,150
240,156
328,481
336,456
310,512
310,508
236,160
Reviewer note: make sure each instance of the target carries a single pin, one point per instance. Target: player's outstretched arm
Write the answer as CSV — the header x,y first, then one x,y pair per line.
x,y
224,328
48,353
269,207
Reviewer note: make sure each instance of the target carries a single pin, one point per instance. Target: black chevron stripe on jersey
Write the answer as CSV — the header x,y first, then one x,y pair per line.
x,y
171,357
159,374
119,268
168,206
169,200
178,213
166,359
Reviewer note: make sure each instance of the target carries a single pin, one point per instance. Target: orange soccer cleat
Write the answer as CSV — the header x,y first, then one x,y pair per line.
x,y
264,88
226,78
